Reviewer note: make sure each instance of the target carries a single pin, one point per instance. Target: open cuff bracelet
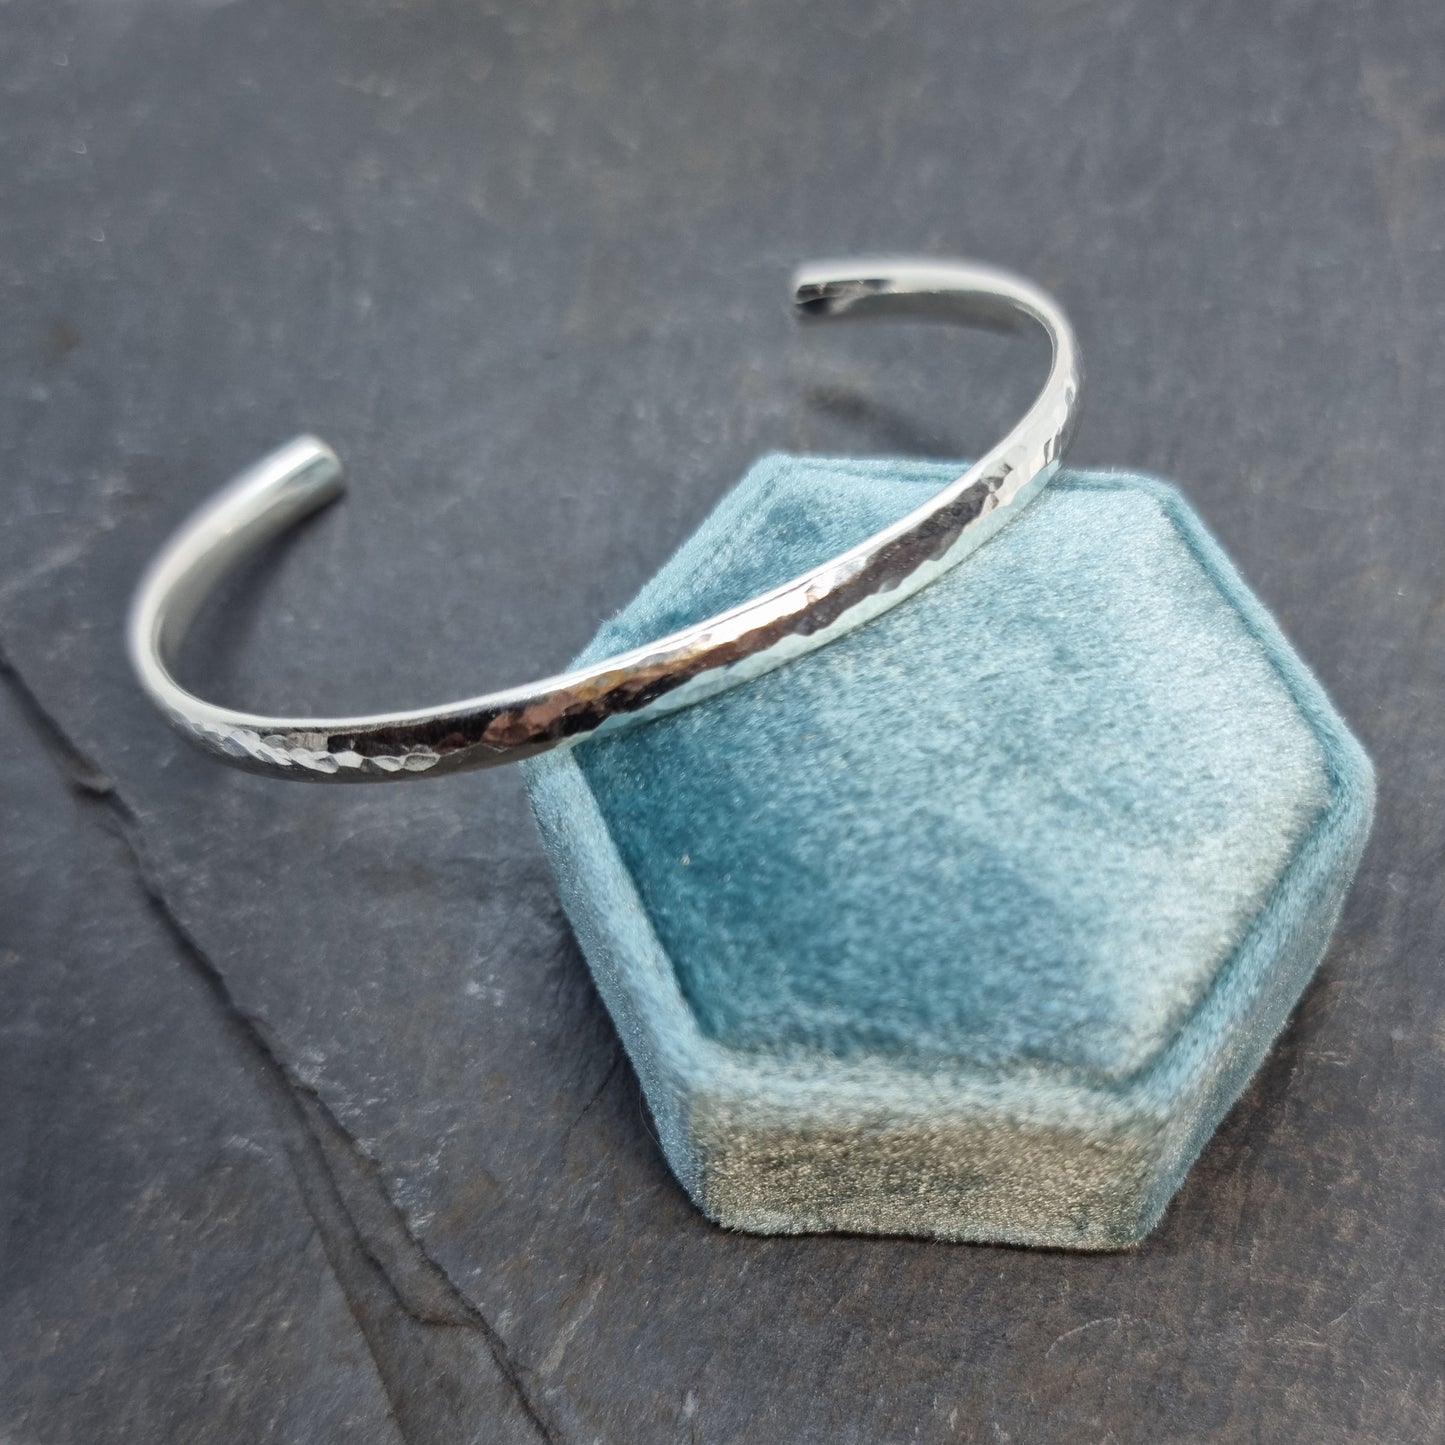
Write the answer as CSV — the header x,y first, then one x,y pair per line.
x,y
674,671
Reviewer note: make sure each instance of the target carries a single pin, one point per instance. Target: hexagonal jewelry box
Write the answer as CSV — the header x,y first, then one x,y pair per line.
x,y
975,922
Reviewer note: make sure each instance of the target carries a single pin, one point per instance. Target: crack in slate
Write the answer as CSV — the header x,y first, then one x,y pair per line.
x,y
320,1150
597,1093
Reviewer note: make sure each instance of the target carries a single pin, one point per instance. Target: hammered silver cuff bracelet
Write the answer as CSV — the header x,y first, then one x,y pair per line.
x,y
672,672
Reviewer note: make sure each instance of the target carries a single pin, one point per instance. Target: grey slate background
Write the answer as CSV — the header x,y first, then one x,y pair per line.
x,y
311,1126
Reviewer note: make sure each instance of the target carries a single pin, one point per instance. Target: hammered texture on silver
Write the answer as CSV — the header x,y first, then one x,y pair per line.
x,y
675,671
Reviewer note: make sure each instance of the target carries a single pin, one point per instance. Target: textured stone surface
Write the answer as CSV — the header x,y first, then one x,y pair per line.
x,y
522,266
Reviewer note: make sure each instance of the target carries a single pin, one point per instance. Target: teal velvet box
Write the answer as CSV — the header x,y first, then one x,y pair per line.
x,y
975,922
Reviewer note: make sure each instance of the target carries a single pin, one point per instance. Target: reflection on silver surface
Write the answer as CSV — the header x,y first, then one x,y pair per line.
x,y
673,671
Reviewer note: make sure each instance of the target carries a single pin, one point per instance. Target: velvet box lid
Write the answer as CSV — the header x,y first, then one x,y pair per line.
x,y
976,921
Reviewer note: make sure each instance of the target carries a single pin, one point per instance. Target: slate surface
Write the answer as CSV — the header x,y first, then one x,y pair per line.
x,y
312,1126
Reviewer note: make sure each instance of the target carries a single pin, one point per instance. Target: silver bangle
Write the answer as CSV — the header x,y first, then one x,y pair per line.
x,y
673,672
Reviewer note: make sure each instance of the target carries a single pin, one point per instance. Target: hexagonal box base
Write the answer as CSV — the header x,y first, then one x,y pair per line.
x,y
975,922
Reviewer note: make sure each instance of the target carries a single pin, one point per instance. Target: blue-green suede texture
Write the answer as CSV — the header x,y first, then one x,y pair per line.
x,y
1032,867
